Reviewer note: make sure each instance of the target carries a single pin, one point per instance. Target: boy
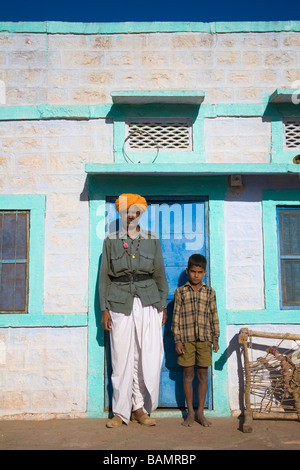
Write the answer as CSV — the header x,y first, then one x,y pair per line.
x,y
195,327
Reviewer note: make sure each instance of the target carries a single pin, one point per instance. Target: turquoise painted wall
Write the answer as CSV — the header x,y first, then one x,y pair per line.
x,y
155,26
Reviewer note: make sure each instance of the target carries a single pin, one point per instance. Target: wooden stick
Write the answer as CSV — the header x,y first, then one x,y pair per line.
x,y
261,334
275,415
247,425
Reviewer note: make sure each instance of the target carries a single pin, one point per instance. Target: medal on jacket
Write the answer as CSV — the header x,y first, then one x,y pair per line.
x,y
125,246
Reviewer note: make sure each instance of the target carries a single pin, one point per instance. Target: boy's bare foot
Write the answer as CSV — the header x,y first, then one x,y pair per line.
x,y
189,420
202,420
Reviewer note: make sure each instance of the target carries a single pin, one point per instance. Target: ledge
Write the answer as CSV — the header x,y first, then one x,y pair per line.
x,y
195,169
158,96
26,320
64,27
283,95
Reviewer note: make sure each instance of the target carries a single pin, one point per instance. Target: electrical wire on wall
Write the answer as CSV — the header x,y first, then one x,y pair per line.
x,y
126,156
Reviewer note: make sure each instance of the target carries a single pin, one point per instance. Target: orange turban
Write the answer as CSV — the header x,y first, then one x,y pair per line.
x,y
127,200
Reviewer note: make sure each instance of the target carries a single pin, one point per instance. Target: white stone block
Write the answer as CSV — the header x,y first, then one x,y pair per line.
x,y
237,139
53,377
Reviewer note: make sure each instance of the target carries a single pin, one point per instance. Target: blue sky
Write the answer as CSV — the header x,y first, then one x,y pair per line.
x,y
93,11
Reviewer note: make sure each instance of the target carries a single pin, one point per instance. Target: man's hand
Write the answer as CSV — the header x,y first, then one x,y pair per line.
x,y
215,346
164,318
179,348
106,320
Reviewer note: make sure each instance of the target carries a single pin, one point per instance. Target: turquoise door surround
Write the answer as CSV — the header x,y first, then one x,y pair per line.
x,y
213,189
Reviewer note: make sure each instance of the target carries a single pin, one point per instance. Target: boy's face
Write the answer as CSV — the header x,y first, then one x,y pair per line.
x,y
196,274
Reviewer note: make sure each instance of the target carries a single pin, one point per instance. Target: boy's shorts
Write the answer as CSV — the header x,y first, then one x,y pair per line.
x,y
196,352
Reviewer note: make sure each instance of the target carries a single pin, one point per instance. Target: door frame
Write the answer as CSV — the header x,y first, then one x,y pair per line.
x,y
100,186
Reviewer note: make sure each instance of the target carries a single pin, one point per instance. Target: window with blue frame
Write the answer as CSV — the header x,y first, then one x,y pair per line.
x,y
14,258
289,255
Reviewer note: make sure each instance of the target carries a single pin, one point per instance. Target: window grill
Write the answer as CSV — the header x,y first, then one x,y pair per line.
x,y
289,255
14,257
165,134
292,133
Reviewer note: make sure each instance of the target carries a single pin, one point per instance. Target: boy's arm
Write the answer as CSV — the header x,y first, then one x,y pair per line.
x,y
214,319
175,320
179,348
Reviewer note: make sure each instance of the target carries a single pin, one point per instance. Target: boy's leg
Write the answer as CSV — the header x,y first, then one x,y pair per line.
x,y
188,377
204,360
202,373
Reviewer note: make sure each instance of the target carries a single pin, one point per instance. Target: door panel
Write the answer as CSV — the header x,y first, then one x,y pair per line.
x,y
182,228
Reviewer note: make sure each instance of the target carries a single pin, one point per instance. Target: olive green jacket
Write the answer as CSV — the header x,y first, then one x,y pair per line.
x,y
117,261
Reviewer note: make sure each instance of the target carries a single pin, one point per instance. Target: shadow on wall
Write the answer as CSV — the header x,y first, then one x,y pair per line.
x,y
234,347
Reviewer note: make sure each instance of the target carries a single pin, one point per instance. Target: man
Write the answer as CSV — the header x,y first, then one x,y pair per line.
x,y
133,294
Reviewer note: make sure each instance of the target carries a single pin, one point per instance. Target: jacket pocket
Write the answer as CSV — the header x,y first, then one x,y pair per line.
x,y
146,261
119,263
148,292
117,293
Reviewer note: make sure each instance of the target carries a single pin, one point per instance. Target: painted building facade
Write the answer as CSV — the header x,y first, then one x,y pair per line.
x,y
70,94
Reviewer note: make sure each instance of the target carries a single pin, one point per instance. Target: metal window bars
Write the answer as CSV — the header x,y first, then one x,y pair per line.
x,y
14,261
147,134
292,133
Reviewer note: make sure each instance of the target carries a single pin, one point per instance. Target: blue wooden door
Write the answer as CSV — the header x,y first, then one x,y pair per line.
x,y
182,228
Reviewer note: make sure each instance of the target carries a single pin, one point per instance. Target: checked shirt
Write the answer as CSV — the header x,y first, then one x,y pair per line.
x,y
195,316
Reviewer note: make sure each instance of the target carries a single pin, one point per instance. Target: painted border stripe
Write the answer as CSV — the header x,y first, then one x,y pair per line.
x,y
60,27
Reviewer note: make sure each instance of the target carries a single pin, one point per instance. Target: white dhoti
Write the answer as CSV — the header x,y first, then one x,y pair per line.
x,y
136,356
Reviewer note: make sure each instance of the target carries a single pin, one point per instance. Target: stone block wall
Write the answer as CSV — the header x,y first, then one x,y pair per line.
x,y
237,140
85,68
43,372
48,157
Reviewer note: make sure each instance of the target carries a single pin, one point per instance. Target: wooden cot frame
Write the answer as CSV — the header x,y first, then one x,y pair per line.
x,y
249,413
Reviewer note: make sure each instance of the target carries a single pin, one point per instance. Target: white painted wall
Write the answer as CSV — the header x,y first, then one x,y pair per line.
x,y
43,372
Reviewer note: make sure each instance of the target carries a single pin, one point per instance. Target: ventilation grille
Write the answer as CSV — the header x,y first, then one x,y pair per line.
x,y
162,134
292,134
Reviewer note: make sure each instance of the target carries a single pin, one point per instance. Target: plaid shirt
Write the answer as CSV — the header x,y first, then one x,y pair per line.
x,y
195,315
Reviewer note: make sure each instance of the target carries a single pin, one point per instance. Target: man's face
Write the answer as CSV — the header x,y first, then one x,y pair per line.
x,y
133,218
130,218
196,274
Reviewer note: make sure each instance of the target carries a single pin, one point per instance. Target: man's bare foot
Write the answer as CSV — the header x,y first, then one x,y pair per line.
x,y
189,420
202,420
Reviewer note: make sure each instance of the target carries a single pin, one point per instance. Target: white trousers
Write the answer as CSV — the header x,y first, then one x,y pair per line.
x,y
136,356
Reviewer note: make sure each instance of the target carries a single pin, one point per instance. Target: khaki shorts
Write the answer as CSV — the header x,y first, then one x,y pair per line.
x,y
196,352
